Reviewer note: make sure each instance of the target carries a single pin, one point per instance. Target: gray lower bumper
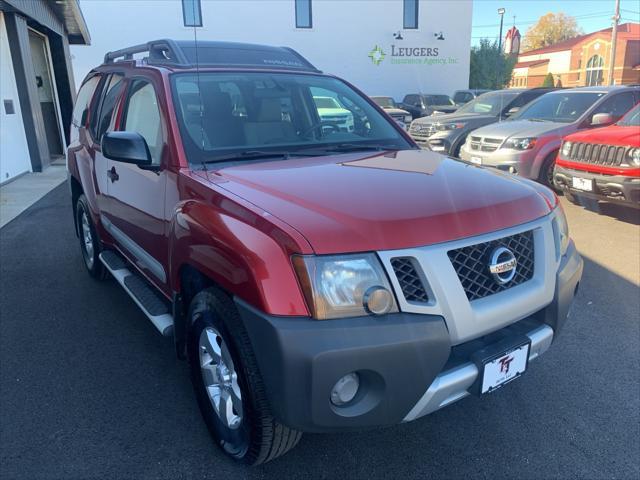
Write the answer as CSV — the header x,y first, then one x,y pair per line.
x,y
454,384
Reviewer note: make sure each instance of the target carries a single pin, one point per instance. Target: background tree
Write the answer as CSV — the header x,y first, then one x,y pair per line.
x,y
548,80
489,66
550,28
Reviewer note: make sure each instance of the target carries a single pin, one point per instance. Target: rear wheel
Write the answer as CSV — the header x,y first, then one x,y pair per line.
x,y
228,385
90,245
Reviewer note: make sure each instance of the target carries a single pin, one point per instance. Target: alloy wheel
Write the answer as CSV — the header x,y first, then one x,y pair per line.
x,y
220,378
87,240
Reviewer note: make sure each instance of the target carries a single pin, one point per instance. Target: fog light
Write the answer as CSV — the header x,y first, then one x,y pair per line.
x,y
378,300
512,169
345,389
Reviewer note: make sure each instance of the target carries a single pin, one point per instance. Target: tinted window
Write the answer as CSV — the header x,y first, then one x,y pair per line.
x,y
616,105
143,116
384,102
410,14
303,14
563,107
491,103
280,111
631,119
110,97
525,98
438,100
461,97
85,94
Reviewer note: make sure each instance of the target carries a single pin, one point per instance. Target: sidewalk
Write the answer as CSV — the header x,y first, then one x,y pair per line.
x,y
19,194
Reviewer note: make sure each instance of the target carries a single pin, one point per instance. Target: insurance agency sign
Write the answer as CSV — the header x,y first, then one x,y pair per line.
x,y
409,55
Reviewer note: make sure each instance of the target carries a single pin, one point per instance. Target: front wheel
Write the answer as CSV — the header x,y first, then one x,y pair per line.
x,y
228,385
546,172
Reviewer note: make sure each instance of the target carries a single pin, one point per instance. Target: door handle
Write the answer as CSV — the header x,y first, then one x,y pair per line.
x,y
112,174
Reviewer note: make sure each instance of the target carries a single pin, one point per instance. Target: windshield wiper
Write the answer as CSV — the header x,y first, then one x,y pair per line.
x,y
537,120
356,147
258,154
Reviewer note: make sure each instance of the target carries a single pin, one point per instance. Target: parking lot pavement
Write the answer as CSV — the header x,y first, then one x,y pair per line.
x,y
88,389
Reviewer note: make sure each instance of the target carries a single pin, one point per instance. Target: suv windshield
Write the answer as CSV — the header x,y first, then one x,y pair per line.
x,y
384,102
489,103
631,119
222,114
562,107
438,100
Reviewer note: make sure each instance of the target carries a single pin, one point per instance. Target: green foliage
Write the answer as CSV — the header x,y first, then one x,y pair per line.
x,y
548,80
489,66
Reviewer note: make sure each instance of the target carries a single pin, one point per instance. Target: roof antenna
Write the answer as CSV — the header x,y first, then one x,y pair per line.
x,y
195,21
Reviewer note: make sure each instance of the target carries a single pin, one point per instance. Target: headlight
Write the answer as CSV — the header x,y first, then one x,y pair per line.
x,y
449,126
566,149
520,143
407,119
563,230
634,156
345,285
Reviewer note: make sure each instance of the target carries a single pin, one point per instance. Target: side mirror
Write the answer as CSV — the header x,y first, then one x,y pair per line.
x,y
602,119
126,147
512,111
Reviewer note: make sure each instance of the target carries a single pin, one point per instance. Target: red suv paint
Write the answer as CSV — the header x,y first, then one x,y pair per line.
x,y
316,278
602,164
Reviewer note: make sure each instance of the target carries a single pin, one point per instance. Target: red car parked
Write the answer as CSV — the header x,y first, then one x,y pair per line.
x,y
603,164
316,278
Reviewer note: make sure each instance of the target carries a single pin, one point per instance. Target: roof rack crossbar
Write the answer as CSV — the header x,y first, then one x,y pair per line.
x,y
160,51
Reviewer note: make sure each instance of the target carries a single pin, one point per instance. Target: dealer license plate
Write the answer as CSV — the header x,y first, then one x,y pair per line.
x,y
505,368
585,184
476,160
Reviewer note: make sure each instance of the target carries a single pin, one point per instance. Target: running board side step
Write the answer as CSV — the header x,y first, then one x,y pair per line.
x,y
150,302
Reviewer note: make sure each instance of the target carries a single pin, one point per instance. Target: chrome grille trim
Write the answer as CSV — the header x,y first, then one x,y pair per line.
x,y
484,144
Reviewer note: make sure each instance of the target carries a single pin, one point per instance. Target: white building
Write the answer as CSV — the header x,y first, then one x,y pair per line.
x,y
36,81
384,47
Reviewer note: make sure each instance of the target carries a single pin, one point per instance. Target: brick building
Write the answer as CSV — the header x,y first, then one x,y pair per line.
x,y
583,60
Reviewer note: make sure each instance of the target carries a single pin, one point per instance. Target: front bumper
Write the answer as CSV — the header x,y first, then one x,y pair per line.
x,y
407,365
514,161
612,188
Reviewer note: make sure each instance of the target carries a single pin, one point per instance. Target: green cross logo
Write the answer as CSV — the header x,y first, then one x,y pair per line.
x,y
377,55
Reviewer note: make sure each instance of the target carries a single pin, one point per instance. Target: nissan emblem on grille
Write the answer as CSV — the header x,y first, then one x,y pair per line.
x,y
503,265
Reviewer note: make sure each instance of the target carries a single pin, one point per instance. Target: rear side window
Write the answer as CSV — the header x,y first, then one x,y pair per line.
x,y
83,100
143,116
100,123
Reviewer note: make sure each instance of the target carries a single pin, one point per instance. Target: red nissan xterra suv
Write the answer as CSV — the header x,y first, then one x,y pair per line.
x,y
316,279
602,164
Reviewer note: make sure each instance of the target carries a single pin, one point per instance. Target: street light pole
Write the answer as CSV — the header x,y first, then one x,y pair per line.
x,y
501,13
614,40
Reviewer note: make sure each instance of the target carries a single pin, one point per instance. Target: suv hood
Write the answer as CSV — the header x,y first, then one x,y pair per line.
x,y
367,202
454,117
395,111
518,128
611,135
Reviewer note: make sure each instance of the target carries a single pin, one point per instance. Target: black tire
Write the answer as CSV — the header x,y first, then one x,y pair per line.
x,y
546,172
259,438
89,255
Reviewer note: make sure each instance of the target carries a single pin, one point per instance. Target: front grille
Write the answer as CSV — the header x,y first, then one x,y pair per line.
x,y
409,280
472,264
484,144
597,154
423,129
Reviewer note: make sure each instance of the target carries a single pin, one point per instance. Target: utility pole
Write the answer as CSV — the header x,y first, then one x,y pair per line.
x,y
614,40
501,13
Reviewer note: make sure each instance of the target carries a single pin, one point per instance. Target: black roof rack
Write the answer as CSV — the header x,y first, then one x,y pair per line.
x,y
184,54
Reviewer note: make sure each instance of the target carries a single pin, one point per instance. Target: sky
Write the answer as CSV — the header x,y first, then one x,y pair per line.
x,y
591,15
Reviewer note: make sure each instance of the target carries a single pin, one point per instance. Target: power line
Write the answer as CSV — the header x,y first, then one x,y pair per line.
x,y
530,22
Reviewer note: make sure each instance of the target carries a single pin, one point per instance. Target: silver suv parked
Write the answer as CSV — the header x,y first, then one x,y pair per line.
x,y
528,143
447,133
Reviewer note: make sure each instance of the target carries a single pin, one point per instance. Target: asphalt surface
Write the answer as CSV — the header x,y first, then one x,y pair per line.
x,y
88,389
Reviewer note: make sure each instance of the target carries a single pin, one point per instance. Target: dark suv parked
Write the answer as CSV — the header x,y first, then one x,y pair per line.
x,y
422,105
447,133
316,278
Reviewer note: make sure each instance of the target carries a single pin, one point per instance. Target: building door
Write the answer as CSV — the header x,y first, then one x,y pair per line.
x,y
46,92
